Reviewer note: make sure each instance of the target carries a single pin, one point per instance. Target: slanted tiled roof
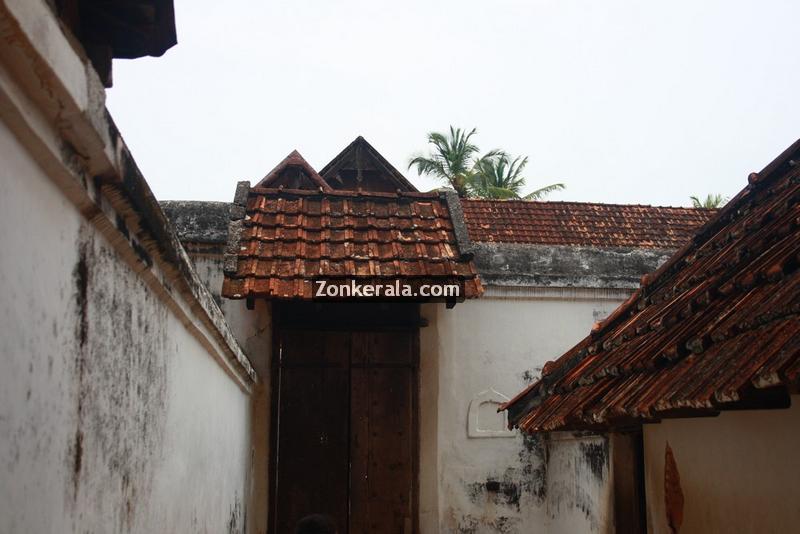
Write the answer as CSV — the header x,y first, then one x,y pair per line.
x,y
581,224
714,328
291,237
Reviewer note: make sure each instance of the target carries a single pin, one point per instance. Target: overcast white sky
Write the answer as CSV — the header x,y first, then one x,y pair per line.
x,y
624,101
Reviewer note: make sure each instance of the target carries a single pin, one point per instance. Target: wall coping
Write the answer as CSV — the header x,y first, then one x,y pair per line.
x,y
54,102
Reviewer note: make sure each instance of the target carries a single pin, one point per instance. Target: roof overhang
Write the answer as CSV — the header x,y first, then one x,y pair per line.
x,y
715,328
126,29
283,244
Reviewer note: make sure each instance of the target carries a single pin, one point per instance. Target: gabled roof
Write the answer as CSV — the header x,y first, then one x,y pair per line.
x,y
716,327
287,239
581,223
361,158
294,172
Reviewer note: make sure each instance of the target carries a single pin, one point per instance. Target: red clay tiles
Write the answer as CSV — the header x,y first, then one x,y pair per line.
x,y
292,237
716,327
581,224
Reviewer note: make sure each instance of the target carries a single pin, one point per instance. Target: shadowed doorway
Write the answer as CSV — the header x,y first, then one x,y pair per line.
x,y
345,415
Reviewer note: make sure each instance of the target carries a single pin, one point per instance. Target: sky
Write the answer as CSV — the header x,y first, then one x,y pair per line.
x,y
638,102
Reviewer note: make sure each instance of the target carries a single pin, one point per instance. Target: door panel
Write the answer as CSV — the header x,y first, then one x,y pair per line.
x,y
346,439
383,348
382,446
318,348
313,434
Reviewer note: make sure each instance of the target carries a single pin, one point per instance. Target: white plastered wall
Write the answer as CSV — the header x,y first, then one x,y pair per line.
x,y
124,403
506,484
739,471
253,331
113,416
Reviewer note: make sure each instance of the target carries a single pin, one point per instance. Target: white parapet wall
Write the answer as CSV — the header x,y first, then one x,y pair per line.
x,y
473,477
125,400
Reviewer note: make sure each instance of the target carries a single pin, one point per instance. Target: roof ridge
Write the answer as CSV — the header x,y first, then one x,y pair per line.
x,y
577,202
346,193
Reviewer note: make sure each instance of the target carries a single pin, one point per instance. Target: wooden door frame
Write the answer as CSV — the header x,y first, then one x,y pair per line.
x,y
272,526
627,465
411,324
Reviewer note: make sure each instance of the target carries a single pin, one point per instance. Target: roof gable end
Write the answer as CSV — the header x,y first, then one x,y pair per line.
x,y
360,166
294,172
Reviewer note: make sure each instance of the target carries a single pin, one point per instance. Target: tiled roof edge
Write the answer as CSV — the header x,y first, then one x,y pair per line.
x,y
531,396
787,159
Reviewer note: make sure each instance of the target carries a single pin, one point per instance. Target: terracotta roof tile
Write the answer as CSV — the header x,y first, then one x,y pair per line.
x,y
581,224
716,327
292,237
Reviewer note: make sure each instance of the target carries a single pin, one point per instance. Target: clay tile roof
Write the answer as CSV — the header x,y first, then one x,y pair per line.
x,y
581,224
289,238
716,327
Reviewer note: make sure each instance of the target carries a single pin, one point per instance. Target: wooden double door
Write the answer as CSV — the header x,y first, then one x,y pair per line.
x,y
345,429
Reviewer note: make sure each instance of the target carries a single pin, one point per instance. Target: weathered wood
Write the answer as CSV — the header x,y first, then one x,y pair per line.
x,y
382,439
346,425
627,464
313,439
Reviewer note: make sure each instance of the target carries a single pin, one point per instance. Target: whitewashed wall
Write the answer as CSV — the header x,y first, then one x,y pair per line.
x,y
252,328
506,484
253,331
739,471
112,416
124,401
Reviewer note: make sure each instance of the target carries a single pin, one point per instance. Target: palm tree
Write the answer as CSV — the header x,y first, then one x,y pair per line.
x,y
711,201
501,177
452,159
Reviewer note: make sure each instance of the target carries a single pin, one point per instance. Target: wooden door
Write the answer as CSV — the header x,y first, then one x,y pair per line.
x,y
313,434
382,435
345,434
